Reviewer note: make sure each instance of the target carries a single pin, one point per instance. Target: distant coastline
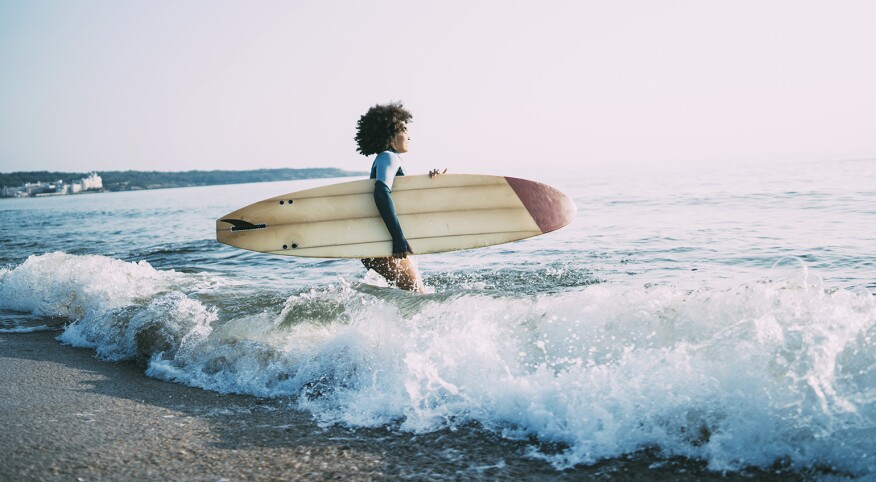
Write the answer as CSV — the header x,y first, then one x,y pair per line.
x,y
46,183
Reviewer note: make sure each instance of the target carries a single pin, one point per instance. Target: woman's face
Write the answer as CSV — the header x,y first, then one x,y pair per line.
x,y
400,141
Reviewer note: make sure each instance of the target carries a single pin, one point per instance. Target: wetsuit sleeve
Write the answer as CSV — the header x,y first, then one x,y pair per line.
x,y
383,200
385,166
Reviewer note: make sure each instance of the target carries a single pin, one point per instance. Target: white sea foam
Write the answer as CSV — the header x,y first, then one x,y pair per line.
x,y
749,376
763,372
27,329
69,286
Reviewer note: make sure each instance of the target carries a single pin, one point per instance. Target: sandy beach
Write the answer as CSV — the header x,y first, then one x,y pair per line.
x,y
69,416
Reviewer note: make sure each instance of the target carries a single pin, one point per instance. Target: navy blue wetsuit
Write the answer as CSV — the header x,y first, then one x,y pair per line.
x,y
386,167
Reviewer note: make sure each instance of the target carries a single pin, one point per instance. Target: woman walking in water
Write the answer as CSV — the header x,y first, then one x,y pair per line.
x,y
383,131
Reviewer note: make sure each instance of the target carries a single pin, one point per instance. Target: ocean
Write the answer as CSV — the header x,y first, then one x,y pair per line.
x,y
724,315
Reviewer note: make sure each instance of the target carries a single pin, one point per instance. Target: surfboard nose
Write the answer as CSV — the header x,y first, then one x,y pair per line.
x,y
548,206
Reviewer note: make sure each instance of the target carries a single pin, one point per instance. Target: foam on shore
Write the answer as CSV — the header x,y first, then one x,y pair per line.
x,y
763,372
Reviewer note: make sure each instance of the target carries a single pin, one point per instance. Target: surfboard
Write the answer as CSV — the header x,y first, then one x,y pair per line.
x,y
446,213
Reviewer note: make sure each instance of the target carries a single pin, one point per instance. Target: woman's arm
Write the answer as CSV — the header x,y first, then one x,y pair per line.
x,y
386,167
383,199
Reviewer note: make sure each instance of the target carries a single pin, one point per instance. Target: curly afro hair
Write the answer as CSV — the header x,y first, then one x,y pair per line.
x,y
376,129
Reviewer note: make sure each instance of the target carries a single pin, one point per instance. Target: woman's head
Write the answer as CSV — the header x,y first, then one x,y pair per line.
x,y
383,127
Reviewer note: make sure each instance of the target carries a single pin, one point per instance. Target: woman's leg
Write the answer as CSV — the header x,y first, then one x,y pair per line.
x,y
401,272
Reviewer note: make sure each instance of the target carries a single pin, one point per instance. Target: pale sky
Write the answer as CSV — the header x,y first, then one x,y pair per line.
x,y
495,86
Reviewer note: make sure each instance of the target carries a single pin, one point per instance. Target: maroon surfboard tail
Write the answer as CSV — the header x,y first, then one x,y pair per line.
x,y
548,206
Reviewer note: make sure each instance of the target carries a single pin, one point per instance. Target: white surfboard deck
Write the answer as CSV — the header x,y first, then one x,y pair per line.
x,y
446,213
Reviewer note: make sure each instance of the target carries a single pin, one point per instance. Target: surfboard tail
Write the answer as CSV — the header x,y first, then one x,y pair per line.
x,y
241,225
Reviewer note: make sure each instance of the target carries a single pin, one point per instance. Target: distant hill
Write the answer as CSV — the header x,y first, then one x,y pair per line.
x,y
133,180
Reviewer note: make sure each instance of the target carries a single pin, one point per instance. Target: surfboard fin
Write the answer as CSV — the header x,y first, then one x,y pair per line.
x,y
241,225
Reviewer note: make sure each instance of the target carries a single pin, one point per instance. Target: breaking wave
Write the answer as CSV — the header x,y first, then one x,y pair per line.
x,y
766,372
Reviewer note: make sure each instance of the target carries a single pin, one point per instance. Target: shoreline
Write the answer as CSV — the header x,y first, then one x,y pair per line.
x,y
173,179
68,415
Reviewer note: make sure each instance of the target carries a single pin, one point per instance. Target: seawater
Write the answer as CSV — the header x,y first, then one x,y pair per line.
x,y
721,314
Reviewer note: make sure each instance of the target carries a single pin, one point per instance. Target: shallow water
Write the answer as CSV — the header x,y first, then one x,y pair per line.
x,y
723,315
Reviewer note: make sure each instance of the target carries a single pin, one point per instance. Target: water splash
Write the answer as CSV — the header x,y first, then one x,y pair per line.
x,y
779,370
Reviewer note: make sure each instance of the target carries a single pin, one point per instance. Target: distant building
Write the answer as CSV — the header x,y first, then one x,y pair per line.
x,y
30,189
34,188
6,191
92,183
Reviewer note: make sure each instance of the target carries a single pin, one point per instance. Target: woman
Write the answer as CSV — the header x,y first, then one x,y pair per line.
x,y
383,131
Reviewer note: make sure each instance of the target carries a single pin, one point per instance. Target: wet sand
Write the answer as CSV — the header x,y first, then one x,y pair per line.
x,y
68,416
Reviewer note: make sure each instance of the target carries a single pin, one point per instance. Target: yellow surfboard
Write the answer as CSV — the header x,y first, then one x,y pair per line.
x,y
445,213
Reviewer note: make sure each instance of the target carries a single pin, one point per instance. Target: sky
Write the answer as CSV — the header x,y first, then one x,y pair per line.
x,y
495,86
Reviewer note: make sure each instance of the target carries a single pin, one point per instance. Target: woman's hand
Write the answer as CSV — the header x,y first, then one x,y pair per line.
x,y
435,172
403,254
